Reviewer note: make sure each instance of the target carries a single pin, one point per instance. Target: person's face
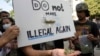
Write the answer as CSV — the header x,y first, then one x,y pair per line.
x,y
6,21
81,15
4,15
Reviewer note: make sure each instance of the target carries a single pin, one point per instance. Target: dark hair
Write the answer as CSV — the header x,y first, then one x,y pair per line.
x,y
4,12
11,19
87,12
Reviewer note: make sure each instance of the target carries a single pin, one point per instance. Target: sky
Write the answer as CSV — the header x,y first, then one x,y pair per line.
x,y
5,6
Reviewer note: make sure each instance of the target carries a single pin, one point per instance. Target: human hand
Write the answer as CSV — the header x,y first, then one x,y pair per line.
x,y
58,52
11,33
77,34
75,53
61,52
91,37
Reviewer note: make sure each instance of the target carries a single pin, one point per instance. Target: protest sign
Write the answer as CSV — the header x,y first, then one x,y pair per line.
x,y
43,20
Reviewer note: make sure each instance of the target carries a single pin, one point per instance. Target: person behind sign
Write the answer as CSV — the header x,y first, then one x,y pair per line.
x,y
12,45
86,31
98,24
7,36
4,14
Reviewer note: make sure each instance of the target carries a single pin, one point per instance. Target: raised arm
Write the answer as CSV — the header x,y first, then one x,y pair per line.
x,y
9,35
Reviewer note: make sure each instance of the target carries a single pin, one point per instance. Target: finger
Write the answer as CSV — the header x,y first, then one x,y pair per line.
x,y
10,29
90,35
15,28
75,53
16,31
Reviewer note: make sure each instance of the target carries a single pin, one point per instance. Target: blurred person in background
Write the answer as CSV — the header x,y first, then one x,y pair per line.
x,y
10,34
98,24
9,47
4,14
86,32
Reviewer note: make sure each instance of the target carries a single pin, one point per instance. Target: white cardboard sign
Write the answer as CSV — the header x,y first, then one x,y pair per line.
x,y
43,20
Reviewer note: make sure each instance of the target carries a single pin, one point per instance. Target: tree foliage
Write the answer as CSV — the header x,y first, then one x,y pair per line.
x,y
94,7
12,11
